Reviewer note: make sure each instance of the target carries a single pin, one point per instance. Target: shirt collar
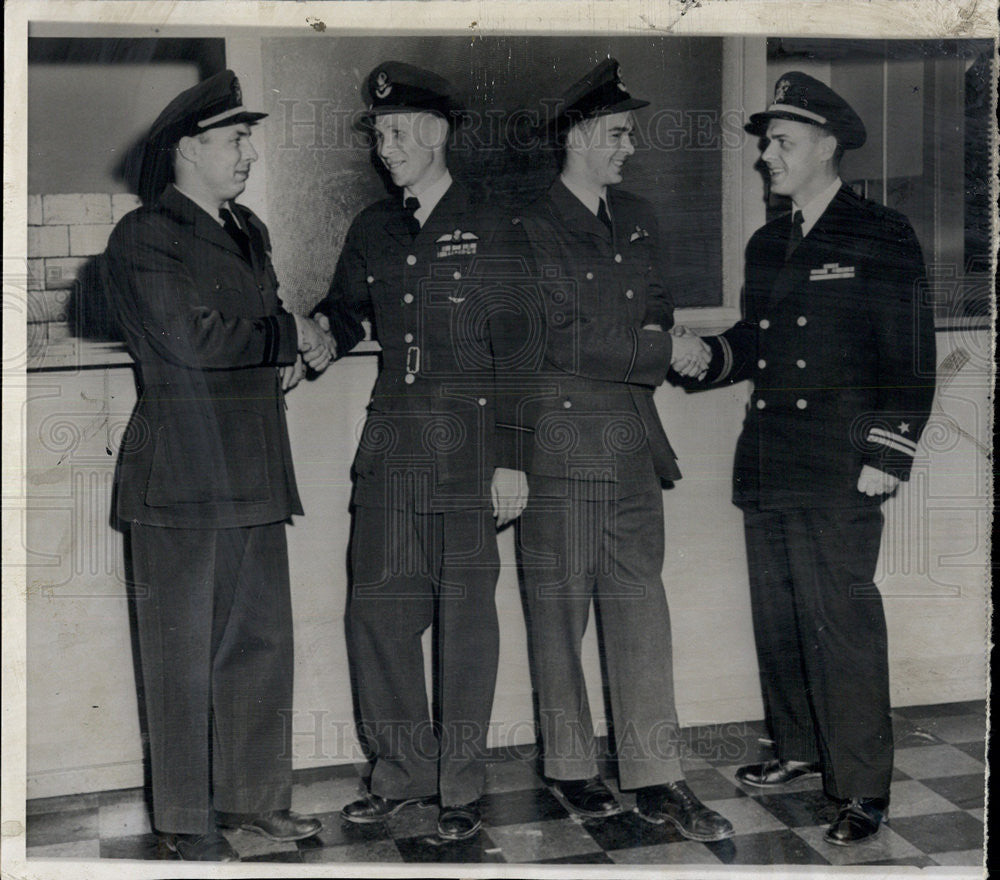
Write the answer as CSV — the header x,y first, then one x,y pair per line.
x,y
429,197
591,200
207,208
814,208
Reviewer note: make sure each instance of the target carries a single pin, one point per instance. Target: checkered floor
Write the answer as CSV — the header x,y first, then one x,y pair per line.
x,y
936,812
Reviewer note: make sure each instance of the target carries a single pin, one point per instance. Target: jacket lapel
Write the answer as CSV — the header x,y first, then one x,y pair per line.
x,y
397,223
577,217
814,248
204,226
447,216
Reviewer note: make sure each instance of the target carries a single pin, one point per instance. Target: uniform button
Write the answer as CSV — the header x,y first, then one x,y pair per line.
x,y
761,364
764,324
456,275
761,404
618,258
801,321
482,401
801,403
590,276
411,260
407,298
408,337
567,404
630,294
410,379
370,279
801,364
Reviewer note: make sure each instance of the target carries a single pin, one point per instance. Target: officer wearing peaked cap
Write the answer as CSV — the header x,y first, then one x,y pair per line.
x,y
204,483
839,345
593,527
435,471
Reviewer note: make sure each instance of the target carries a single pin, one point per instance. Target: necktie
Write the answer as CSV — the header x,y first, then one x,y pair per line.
x,y
603,215
796,235
236,233
411,205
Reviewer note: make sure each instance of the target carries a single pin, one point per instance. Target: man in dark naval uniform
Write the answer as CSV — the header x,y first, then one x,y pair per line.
x,y
434,471
204,482
593,529
839,344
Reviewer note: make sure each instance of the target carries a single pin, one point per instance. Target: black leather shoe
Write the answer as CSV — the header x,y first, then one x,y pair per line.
x,y
459,823
772,774
859,819
372,808
586,797
211,847
283,826
676,803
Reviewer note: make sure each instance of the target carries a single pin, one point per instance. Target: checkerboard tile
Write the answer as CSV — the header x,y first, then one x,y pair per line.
x,y
936,812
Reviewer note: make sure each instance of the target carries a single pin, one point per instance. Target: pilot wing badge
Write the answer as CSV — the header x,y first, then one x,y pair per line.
x,y
457,243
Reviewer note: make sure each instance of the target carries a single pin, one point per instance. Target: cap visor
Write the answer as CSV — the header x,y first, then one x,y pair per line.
x,y
557,123
758,121
246,116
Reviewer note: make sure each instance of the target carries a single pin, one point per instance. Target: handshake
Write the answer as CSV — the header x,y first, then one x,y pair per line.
x,y
317,348
690,356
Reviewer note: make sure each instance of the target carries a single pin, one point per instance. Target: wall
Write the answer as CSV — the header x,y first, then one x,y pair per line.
x,y
83,731
83,117
66,231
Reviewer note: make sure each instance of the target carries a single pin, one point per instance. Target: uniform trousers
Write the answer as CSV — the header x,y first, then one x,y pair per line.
x,y
575,550
821,642
410,570
215,637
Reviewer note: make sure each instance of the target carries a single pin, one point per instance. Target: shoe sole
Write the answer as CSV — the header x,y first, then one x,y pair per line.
x,y
661,819
472,832
371,820
253,829
802,777
170,845
586,814
861,840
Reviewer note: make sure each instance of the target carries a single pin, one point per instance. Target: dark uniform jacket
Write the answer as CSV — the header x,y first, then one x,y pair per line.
x,y
207,445
594,419
446,311
839,342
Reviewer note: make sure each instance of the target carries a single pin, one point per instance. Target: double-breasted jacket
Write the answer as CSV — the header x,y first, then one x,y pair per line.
x,y
839,342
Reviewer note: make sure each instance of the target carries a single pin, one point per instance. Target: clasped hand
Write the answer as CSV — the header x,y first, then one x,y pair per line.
x,y
317,348
690,356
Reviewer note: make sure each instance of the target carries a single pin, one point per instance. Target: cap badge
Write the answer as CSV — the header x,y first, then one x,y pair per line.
x,y
618,78
382,85
780,90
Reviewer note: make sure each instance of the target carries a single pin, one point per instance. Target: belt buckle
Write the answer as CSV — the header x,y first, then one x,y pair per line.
x,y
413,360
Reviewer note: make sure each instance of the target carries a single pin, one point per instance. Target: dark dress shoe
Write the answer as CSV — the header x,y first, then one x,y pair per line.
x,y
283,826
372,808
859,819
459,823
771,774
586,797
211,847
676,803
